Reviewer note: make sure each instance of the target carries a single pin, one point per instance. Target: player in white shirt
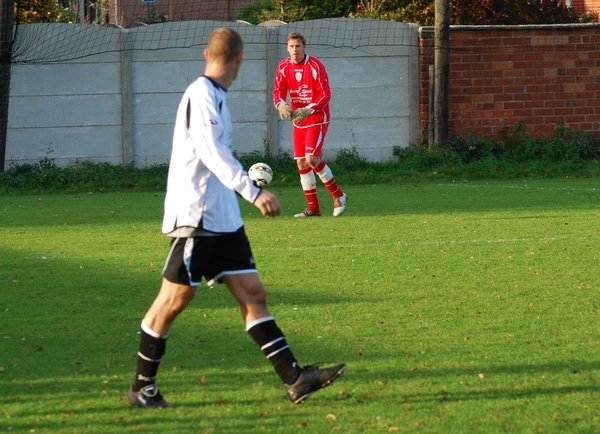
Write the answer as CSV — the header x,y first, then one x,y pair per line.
x,y
202,216
305,79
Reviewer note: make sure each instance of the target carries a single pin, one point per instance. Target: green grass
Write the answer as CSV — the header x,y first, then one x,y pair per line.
x,y
457,306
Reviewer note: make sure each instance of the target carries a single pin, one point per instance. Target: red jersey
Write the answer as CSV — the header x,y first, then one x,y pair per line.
x,y
308,86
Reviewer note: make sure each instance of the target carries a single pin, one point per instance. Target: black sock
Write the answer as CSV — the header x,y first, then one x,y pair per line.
x,y
149,355
271,341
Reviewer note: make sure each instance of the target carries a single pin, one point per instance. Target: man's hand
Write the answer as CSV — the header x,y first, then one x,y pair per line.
x,y
301,114
268,204
284,110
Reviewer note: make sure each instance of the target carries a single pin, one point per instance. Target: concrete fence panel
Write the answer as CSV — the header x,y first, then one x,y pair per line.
x,y
119,106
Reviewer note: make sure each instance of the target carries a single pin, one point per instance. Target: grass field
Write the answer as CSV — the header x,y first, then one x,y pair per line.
x,y
458,307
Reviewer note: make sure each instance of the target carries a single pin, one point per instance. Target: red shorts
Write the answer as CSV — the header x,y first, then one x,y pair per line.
x,y
309,140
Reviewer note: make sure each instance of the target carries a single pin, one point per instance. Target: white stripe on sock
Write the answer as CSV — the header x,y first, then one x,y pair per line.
x,y
259,321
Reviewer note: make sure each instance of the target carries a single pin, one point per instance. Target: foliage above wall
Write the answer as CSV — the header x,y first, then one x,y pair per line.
x,y
474,12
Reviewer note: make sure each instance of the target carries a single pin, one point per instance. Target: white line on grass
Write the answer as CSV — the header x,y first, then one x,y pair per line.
x,y
322,247
427,243
520,187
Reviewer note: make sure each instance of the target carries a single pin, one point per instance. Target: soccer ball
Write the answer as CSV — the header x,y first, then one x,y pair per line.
x,y
261,173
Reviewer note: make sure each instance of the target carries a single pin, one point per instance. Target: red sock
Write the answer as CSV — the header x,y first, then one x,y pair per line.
x,y
328,179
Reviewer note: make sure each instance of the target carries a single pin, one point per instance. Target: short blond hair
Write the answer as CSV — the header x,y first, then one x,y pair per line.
x,y
296,35
224,44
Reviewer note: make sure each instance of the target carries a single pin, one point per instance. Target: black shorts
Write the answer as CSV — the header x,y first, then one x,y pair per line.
x,y
211,257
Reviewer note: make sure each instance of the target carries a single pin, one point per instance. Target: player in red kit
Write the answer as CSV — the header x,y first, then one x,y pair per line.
x,y
305,79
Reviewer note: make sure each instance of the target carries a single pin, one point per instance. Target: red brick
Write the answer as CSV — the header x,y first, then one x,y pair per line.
x,y
494,90
482,98
586,110
535,88
564,111
565,79
470,74
502,65
502,113
515,57
483,82
525,113
525,81
544,128
500,97
544,112
513,105
564,96
512,73
543,96
489,58
584,96
557,103
524,97
463,107
513,89
554,56
503,81
481,115
461,66
575,118
535,120
574,87
582,76
461,99
525,65
594,118
456,77
566,64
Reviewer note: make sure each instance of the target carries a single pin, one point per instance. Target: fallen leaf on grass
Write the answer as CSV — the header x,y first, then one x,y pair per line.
x,y
331,416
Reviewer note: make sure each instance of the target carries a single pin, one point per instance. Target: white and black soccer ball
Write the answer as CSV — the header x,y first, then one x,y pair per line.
x,y
261,173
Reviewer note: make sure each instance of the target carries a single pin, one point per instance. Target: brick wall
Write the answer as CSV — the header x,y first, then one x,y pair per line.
x,y
581,6
131,11
543,75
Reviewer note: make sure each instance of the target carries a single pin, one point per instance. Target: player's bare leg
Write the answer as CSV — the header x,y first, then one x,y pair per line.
x,y
172,299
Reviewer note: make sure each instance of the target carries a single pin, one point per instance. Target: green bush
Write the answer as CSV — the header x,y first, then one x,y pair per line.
x,y
563,146
563,153
474,12
83,176
295,10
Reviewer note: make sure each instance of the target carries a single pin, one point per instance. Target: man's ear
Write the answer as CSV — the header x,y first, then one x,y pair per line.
x,y
206,54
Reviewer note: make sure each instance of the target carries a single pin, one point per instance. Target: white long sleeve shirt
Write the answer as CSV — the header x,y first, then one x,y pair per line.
x,y
204,176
